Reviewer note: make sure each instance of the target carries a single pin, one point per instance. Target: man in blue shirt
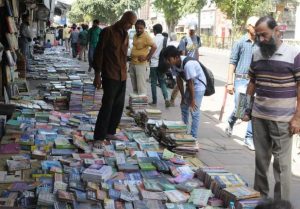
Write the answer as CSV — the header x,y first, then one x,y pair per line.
x,y
240,61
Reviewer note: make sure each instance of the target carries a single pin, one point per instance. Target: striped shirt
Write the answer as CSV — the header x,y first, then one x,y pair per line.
x,y
276,83
241,54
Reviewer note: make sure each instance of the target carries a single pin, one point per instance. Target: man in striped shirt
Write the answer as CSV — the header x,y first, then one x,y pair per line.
x,y
275,78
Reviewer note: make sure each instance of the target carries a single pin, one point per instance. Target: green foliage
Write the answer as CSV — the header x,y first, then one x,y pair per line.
x,y
245,9
192,6
104,10
75,14
171,10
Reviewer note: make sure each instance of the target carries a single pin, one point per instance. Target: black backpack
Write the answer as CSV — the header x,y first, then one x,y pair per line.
x,y
210,81
163,67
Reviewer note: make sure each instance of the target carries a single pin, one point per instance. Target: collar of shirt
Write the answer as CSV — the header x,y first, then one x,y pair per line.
x,y
182,58
142,35
281,50
158,35
248,39
117,27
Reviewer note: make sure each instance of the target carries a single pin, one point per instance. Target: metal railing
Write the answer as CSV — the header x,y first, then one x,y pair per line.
x,y
293,42
217,42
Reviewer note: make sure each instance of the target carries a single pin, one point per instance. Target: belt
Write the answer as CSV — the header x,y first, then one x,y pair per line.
x,y
241,76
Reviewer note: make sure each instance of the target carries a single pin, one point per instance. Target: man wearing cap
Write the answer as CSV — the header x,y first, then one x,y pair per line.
x,y
190,44
237,81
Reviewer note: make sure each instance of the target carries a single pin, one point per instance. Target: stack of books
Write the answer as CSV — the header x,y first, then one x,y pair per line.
x,y
153,114
185,144
174,126
97,99
138,102
88,95
97,175
238,193
13,126
61,103
75,104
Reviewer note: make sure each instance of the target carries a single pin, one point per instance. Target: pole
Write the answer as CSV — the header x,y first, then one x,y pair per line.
x,y
234,23
199,21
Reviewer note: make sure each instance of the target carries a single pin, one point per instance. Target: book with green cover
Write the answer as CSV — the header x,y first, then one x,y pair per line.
x,y
63,143
152,185
147,166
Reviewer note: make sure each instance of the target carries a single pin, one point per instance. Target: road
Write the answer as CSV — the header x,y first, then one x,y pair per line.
x,y
216,60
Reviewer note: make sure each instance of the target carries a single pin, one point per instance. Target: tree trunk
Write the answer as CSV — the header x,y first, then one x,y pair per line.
x,y
171,26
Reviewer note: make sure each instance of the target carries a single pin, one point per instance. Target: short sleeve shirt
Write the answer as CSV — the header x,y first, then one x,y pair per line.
x,y
192,70
141,45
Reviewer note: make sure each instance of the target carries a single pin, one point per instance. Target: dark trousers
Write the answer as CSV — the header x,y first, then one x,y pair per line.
x,y
74,49
112,108
272,138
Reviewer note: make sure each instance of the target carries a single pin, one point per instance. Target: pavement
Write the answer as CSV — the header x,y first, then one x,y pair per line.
x,y
216,148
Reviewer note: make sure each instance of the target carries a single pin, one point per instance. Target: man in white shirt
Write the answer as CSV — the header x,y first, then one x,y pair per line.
x,y
189,70
155,75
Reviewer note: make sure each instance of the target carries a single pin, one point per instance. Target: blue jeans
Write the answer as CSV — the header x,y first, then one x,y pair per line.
x,y
154,76
240,86
91,55
185,110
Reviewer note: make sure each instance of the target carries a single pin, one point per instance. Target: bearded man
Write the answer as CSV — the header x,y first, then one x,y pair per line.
x,y
275,78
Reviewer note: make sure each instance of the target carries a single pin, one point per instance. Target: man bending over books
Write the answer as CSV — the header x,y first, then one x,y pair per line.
x,y
188,69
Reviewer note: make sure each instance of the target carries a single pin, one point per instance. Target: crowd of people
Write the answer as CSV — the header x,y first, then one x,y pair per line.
x,y
260,65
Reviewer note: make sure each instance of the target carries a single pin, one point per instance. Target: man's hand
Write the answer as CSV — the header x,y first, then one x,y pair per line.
x,y
142,58
295,125
246,118
193,105
97,81
230,89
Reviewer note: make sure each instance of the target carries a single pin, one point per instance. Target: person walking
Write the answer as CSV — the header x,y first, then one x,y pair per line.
x,y
190,44
66,37
110,64
188,69
155,75
142,51
25,39
83,42
237,80
275,79
93,37
74,40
